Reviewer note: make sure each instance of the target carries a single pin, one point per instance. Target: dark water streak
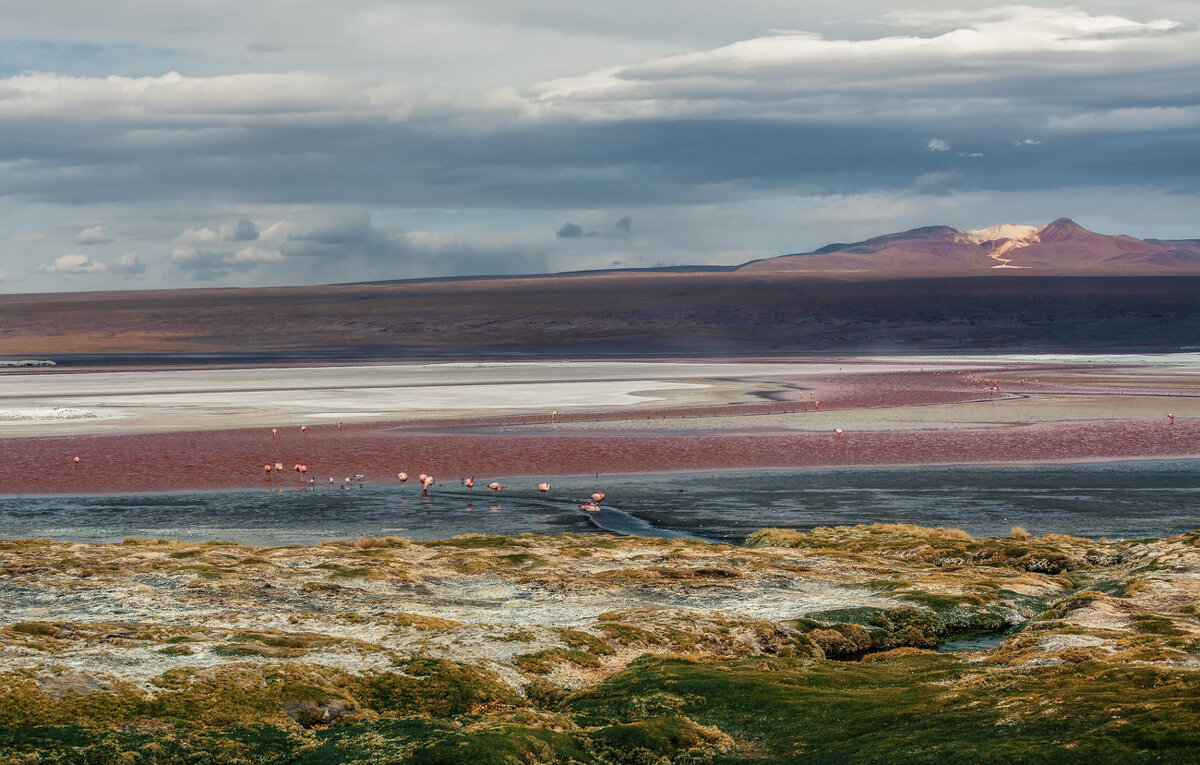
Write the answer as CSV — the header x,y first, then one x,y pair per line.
x,y
1114,500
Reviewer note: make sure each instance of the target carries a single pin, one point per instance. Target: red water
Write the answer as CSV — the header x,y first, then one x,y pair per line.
x,y
235,458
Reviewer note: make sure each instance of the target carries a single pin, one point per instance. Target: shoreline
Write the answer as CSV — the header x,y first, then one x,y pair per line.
x,y
234,459
1029,464
722,418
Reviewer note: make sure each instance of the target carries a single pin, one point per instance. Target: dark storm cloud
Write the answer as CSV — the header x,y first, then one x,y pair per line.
x,y
901,105
357,249
1109,101
245,231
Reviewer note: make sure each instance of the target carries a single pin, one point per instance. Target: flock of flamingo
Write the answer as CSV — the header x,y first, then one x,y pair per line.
x,y
593,505
425,480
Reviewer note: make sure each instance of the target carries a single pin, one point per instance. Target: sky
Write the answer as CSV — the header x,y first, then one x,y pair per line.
x,y
146,144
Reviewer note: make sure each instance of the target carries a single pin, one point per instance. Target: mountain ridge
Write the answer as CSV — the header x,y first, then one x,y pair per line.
x,y
1059,247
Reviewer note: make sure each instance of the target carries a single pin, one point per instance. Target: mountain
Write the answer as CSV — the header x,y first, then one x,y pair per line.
x,y
1062,247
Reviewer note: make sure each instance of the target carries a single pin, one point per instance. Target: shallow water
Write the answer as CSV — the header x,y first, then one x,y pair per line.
x,y
1114,500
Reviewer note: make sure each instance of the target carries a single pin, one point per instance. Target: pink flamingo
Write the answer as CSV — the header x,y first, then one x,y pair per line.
x,y
554,416
76,460
426,482
598,496
591,507
469,482
279,466
267,472
496,486
422,477
304,429
543,487
1171,417
838,432
274,432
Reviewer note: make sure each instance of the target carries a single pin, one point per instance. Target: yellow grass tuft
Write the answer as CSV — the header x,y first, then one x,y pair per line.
x,y
366,543
912,530
1019,532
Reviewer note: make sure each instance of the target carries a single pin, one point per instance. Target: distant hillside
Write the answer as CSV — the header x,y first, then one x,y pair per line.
x,y
606,315
1061,248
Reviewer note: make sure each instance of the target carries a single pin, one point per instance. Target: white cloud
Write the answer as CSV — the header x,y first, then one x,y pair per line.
x,y
4,275
128,265
1027,142
1130,120
94,235
75,264
937,144
254,255
202,235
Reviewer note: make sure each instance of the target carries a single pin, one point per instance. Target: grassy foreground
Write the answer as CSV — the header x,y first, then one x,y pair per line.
x,y
805,648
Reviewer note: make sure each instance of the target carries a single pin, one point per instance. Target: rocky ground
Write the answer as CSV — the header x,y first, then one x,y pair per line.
x,y
801,647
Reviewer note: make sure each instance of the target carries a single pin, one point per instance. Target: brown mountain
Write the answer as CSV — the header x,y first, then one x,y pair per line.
x,y
1060,248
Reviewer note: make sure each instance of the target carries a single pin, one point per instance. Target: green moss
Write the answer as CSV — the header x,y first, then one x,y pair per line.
x,y
176,650
914,708
627,634
473,542
1156,625
583,641
542,662
46,629
436,687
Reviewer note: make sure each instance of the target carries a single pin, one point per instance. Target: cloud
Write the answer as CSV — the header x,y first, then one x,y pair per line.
x,y
258,170
354,248
94,235
128,265
204,265
569,231
623,226
255,255
75,264
244,231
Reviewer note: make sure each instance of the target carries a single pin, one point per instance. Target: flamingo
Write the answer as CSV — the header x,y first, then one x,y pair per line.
x,y
402,476
274,432
469,482
304,429
554,416
339,424
421,478
496,486
76,460
427,483
838,432
598,496
543,487
591,507
1170,416
266,470
279,466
